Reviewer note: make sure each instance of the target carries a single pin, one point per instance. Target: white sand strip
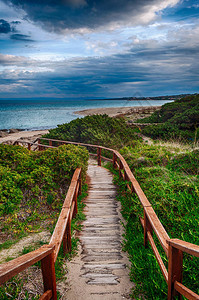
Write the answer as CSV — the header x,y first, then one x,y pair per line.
x,y
22,134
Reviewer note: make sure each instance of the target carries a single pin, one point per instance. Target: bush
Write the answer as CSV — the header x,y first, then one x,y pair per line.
x,y
97,129
179,119
28,177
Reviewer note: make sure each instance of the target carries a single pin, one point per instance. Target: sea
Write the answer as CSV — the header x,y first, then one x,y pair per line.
x,y
42,114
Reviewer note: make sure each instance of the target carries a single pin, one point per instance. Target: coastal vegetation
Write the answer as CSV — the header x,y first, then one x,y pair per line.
x,y
98,129
168,174
33,186
170,180
177,120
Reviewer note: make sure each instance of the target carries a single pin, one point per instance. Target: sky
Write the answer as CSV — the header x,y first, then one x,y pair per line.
x,y
98,49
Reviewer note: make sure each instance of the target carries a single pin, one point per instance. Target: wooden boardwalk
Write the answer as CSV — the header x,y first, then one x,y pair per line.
x,y
100,270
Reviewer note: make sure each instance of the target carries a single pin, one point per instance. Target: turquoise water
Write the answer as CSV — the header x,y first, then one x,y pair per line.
x,y
45,114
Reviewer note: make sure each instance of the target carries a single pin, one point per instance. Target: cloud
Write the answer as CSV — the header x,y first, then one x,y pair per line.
x,y
153,62
150,69
13,60
21,37
84,15
4,26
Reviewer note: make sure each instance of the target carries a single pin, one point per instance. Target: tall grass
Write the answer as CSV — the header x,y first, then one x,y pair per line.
x,y
170,180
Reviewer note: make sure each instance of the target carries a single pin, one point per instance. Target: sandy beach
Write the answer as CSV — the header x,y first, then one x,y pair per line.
x,y
116,111
23,134
110,111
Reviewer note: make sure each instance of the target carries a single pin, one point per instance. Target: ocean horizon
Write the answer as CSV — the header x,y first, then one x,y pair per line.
x,y
38,114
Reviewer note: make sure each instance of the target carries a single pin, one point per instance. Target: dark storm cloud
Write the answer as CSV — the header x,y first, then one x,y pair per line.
x,y
147,71
4,26
57,15
21,37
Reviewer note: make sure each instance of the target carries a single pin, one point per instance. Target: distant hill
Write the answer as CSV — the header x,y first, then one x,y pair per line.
x,y
179,119
140,98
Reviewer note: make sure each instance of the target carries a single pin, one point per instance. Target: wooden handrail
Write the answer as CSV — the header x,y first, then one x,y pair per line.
x,y
47,254
61,225
151,223
17,265
183,290
184,246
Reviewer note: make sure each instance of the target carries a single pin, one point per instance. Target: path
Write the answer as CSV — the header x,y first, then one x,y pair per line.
x,y
100,270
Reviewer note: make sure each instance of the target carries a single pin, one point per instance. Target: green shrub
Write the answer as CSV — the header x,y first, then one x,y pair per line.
x,y
31,183
97,129
10,193
180,120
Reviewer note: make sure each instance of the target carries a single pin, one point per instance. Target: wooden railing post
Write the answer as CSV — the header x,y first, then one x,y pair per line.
x,y
126,176
67,238
39,147
50,143
114,160
175,265
48,273
80,184
99,156
120,168
147,227
29,146
75,200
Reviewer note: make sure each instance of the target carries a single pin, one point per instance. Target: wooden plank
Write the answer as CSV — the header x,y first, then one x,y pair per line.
x,y
105,158
68,235
58,233
17,265
183,290
48,273
76,175
157,227
46,296
184,246
33,143
129,188
93,154
175,266
117,165
136,187
147,228
157,255
99,150
114,159
76,143
60,227
72,210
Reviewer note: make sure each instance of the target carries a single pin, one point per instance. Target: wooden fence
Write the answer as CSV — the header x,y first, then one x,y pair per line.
x,y
174,248
47,254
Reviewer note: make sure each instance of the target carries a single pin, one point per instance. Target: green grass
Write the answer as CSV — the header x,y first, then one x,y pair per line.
x,y
171,183
178,120
15,285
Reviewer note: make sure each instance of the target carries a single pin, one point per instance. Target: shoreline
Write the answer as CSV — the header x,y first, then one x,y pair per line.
x,y
131,112
118,111
33,134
